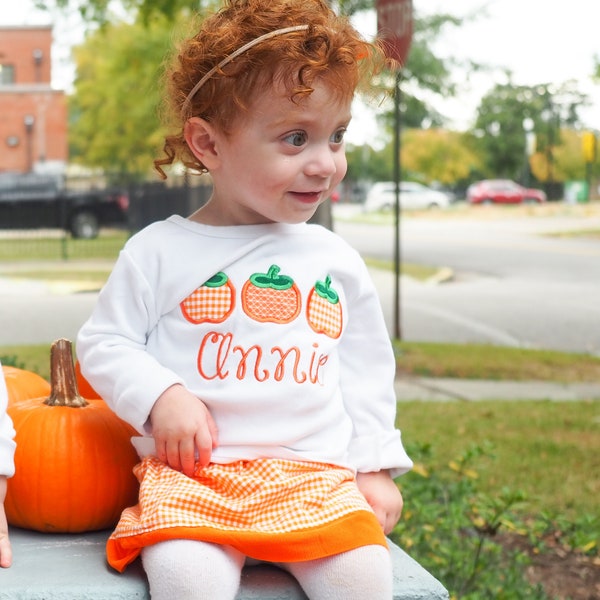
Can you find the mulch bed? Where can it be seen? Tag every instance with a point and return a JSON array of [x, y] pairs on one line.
[[563, 573]]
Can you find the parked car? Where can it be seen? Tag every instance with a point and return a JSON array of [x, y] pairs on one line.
[[502, 191], [413, 195], [31, 200]]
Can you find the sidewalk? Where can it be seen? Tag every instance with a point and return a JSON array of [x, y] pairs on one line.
[[473, 390]]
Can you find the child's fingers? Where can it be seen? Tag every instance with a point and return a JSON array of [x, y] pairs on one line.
[[5, 551], [205, 444]]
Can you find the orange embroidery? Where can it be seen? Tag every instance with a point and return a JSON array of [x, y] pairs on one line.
[[212, 302], [219, 358], [271, 297], [324, 310]]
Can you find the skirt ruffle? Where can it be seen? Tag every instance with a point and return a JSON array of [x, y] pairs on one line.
[[269, 509]]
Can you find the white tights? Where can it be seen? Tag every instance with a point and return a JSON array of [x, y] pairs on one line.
[[191, 570]]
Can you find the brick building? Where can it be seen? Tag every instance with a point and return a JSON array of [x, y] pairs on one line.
[[33, 116]]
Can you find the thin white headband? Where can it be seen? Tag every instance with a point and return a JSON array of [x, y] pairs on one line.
[[235, 54]]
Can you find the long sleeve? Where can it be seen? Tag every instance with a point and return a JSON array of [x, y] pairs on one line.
[[367, 372], [112, 346], [7, 433]]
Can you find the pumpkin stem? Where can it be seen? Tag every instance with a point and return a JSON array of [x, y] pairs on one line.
[[64, 391]]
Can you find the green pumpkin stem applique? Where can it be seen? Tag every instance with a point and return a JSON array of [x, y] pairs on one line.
[[212, 302], [324, 310], [271, 297]]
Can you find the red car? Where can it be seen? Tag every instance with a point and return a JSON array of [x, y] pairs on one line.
[[502, 191]]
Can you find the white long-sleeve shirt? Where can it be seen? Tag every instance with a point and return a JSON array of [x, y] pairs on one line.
[[7, 433], [277, 328]]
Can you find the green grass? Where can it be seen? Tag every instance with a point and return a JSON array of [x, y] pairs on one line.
[[92, 275], [549, 450], [32, 358], [475, 361], [43, 248], [420, 272]]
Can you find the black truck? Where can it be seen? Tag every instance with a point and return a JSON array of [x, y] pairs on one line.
[[33, 201]]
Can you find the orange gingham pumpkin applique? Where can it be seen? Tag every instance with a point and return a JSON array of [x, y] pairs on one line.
[[271, 297], [324, 310], [212, 302]]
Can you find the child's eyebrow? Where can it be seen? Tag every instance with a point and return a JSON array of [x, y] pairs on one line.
[[299, 121]]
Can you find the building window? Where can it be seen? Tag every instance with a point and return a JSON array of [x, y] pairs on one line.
[[7, 74]]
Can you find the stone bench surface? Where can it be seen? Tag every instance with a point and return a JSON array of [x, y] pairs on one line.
[[73, 567]]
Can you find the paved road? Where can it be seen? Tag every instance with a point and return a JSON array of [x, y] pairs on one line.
[[33, 312], [511, 286]]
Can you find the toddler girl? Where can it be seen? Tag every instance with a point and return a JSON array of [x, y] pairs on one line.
[[247, 347]]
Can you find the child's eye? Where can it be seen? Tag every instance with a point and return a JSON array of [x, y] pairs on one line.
[[297, 138], [338, 136]]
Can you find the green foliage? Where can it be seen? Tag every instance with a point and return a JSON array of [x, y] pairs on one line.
[[442, 155], [114, 111], [500, 132], [11, 360], [449, 527], [99, 11]]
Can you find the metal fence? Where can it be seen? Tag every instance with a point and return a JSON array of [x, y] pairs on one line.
[[148, 202]]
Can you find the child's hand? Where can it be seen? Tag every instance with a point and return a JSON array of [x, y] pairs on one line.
[[5, 549], [383, 496], [181, 423]]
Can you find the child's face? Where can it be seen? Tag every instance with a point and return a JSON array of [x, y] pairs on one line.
[[282, 160]]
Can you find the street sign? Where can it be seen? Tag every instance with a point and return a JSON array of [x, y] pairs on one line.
[[395, 30], [395, 27]]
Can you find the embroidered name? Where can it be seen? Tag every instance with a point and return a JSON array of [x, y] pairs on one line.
[[219, 358]]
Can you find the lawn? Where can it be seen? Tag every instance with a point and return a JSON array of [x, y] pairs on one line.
[[549, 450]]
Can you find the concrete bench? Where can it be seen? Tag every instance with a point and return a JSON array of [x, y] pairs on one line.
[[73, 567]]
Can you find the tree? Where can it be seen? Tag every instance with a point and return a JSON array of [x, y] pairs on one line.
[[99, 11], [425, 75], [500, 125], [438, 155], [113, 112], [569, 161]]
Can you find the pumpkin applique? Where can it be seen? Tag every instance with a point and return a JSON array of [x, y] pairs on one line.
[[271, 297], [73, 461], [212, 302], [324, 309]]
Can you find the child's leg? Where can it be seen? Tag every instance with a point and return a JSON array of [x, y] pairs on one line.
[[191, 570], [358, 574]]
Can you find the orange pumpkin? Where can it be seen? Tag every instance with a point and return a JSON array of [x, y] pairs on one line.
[[73, 460], [85, 387], [21, 384]]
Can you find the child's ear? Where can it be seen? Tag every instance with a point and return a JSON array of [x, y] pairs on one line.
[[200, 137]]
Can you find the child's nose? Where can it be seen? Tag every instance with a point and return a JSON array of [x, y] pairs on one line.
[[322, 162]]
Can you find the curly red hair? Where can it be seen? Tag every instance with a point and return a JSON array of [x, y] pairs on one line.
[[329, 50]]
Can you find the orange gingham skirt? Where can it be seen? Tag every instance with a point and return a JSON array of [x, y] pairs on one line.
[[268, 509]]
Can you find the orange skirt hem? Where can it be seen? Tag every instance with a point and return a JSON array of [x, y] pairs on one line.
[[354, 530]]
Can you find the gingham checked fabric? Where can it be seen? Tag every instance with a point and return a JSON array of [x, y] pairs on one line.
[[325, 317], [208, 304], [251, 500]]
